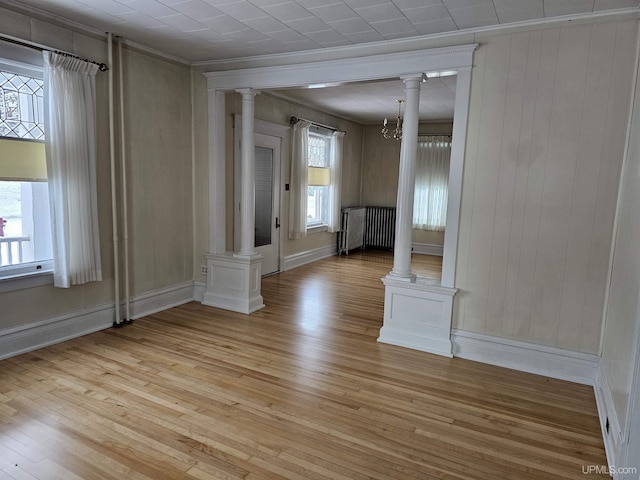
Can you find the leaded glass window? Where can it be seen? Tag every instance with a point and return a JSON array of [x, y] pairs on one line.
[[21, 106]]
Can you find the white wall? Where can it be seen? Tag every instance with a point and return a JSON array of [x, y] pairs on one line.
[[158, 139], [546, 130], [622, 322]]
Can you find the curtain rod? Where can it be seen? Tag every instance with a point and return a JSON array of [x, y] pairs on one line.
[[101, 66], [295, 120]]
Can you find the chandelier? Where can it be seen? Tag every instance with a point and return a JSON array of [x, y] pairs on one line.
[[397, 132]]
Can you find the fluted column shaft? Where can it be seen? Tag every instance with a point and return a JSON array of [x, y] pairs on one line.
[[248, 177], [406, 180]]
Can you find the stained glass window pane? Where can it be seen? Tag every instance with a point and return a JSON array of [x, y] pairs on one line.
[[21, 106]]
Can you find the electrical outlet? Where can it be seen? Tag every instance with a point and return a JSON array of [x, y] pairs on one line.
[[203, 269]]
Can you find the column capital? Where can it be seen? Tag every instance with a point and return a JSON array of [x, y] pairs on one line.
[[246, 92], [414, 77]]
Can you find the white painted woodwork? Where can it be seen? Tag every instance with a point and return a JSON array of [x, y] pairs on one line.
[[234, 282], [547, 121], [417, 315], [620, 363], [247, 175], [406, 180]]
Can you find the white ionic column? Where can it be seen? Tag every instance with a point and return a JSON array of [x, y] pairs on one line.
[[248, 181], [406, 181]]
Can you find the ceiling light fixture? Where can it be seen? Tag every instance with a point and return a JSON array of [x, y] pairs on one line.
[[397, 132]]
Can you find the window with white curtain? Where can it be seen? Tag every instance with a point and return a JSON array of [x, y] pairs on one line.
[[25, 227], [316, 182], [432, 179], [319, 179]]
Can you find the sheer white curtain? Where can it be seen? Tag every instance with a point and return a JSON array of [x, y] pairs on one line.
[[299, 180], [335, 188], [432, 180], [70, 130]]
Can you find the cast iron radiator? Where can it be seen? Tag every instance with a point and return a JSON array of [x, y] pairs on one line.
[[380, 227], [363, 227], [351, 233]]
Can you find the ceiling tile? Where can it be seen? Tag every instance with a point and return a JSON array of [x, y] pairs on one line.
[[392, 28], [566, 7], [182, 23], [427, 13], [365, 3], [246, 35], [380, 13], [478, 16], [224, 24], [465, 3], [109, 6], [402, 4], [197, 9], [506, 4], [137, 19], [286, 36], [266, 24], [364, 37], [332, 13], [606, 4], [308, 25], [436, 26], [351, 26], [325, 36], [286, 12], [318, 3], [267, 3], [151, 8], [242, 11], [531, 12]]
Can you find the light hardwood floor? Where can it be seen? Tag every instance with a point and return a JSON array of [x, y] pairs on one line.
[[300, 389]]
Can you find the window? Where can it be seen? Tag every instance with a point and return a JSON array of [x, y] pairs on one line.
[[319, 180], [25, 227], [432, 183]]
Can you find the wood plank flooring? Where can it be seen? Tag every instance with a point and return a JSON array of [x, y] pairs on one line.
[[298, 390]]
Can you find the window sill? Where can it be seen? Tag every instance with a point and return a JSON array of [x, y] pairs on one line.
[[26, 280], [317, 229]]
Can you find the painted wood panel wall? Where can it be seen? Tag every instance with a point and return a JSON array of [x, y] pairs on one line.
[[547, 125], [622, 322]]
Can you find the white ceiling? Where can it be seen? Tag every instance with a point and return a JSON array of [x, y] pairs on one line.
[[371, 102], [208, 30]]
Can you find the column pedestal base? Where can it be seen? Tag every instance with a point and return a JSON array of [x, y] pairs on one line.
[[417, 315], [234, 282]]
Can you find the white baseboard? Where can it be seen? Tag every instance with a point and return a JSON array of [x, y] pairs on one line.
[[427, 249], [299, 259], [199, 288], [157, 300], [527, 357], [26, 338], [612, 435]]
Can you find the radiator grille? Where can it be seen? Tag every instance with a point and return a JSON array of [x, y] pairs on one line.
[[380, 227]]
